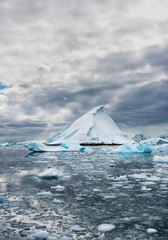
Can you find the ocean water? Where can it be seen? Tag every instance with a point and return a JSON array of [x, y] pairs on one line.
[[128, 192]]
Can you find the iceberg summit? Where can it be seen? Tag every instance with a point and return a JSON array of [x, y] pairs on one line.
[[93, 128]]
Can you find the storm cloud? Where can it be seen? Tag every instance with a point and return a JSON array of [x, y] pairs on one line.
[[59, 59]]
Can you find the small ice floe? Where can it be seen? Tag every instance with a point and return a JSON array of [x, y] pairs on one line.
[[58, 188], [77, 228], [52, 238], [41, 234], [144, 176], [161, 148], [44, 194], [159, 159], [50, 173], [65, 238], [106, 197], [151, 230], [96, 190], [144, 188], [65, 147], [104, 227], [120, 178], [57, 201]]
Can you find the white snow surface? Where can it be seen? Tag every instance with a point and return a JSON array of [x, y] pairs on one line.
[[50, 173], [65, 147], [130, 148], [104, 227], [95, 127]]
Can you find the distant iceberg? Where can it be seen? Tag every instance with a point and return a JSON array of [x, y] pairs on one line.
[[93, 128], [65, 147], [130, 148], [154, 141], [161, 148]]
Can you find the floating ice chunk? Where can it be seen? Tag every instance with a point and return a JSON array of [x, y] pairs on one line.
[[66, 238], [65, 147], [154, 141], [121, 178], [106, 197], [145, 176], [50, 173], [6, 144], [133, 148], [160, 159], [57, 201], [104, 227], [44, 194], [52, 238], [151, 230], [41, 234], [161, 148], [144, 188], [77, 228], [58, 188]]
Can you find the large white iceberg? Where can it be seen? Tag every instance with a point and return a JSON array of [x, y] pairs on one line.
[[65, 147], [95, 127], [130, 148], [154, 141]]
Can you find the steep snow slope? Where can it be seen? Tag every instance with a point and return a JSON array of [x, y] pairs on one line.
[[95, 127]]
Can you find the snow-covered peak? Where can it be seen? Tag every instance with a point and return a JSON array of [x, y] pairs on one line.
[[94, 127]]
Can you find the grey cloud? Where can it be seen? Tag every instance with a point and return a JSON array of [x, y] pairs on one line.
[[146, 105]]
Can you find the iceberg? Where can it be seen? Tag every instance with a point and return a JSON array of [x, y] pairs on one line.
[[130, 148], [93, 128], [154, 141], [161, 148], [65, 147]]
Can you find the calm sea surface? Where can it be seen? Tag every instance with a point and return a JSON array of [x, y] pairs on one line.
[[129, 191]]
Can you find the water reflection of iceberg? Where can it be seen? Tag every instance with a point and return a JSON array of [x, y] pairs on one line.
[[49, 155]]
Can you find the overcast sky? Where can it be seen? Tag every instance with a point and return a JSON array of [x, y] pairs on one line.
[[61, 58]]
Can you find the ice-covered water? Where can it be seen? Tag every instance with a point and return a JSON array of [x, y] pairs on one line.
[[97, 189]]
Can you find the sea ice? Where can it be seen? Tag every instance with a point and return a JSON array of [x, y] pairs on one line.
[[104, 227], [52, 238], [41, 234], [44, 194], [130, 148], [5, 144], [50, 173], [160, 159], [151, 230], [77, 228], [154, 141], [95, 127], [65, 147], [58, 188], [57, 201], [161, 148]]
